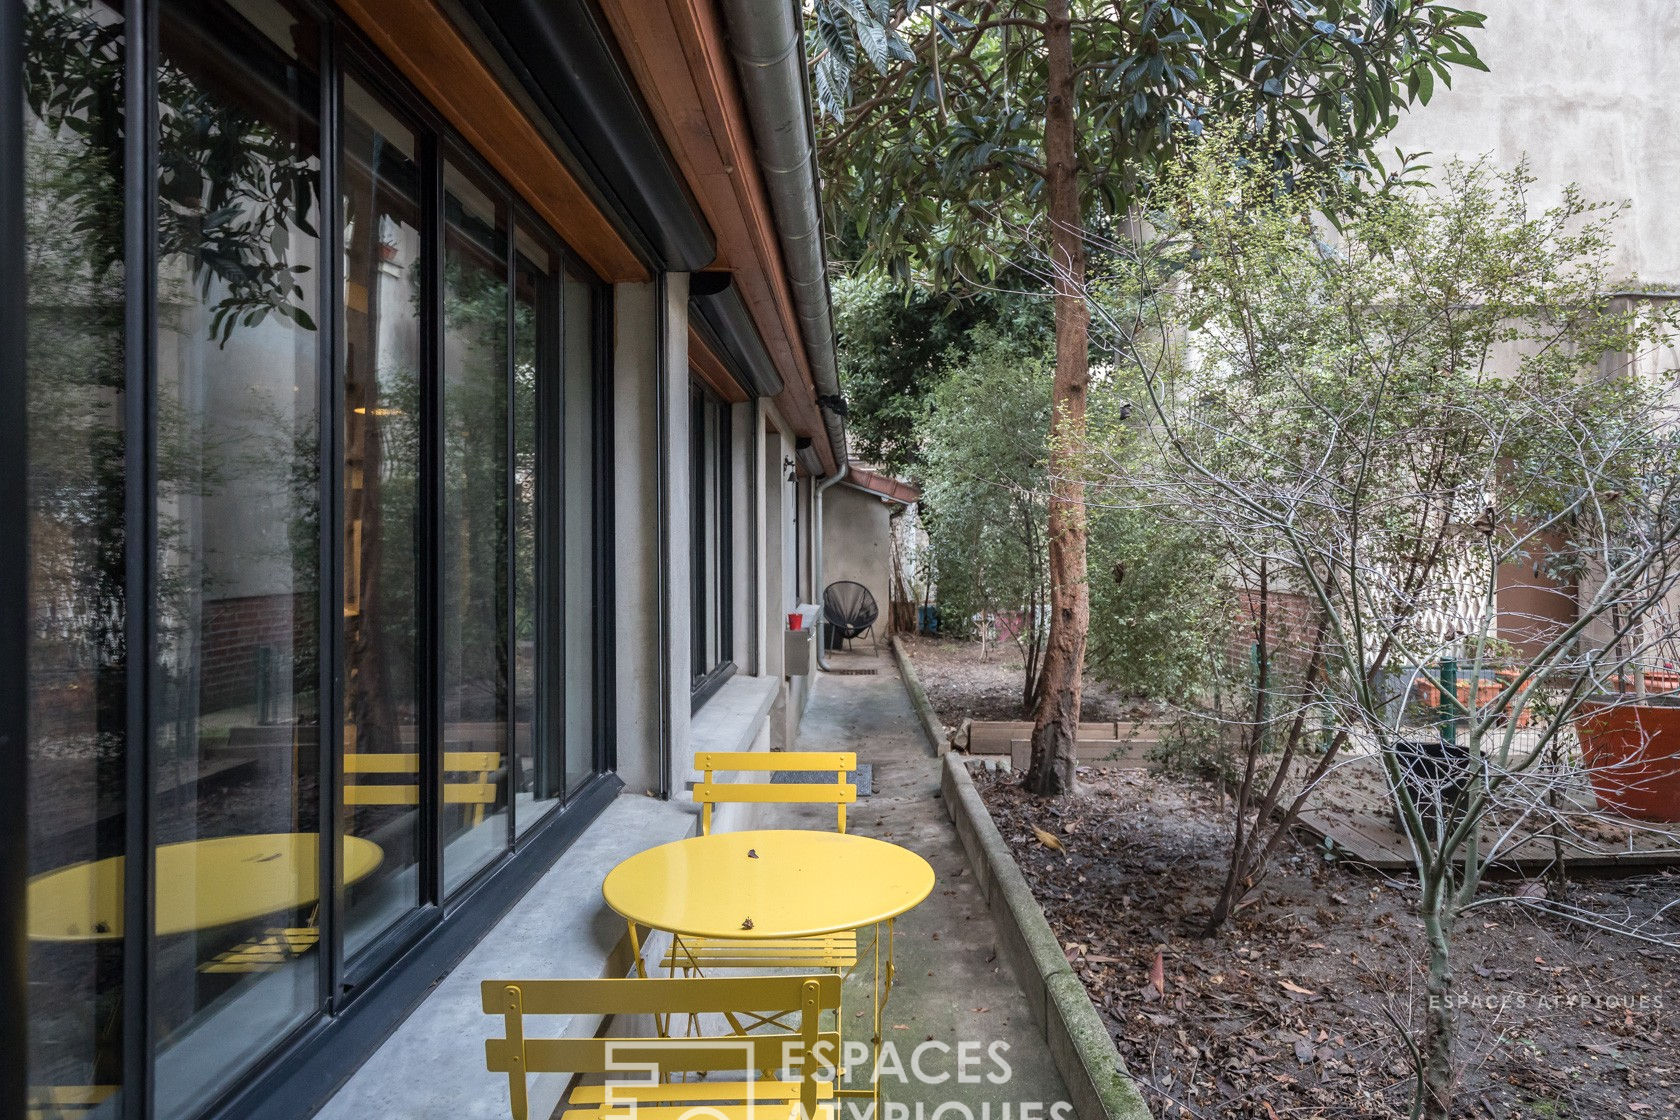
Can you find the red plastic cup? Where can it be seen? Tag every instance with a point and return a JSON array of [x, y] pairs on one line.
[[796, 621]]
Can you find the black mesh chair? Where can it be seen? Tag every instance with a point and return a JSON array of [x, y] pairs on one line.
[[850, 611]]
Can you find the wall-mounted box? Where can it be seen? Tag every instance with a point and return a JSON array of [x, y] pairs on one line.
[[796, 652]]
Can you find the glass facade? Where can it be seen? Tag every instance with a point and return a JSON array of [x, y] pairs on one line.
[[383, 219], [315, 503], [234, 685], [474, 634], [74, 133]]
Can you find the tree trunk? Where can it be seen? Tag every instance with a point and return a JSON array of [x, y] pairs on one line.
[[1056, 722], [1236, 867], [1438, 1024]]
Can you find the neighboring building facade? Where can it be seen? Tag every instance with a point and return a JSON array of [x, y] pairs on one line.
[[860, 537], [1580, 93], [425, 400]]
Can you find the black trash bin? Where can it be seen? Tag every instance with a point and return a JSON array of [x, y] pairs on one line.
[[1436, 772]]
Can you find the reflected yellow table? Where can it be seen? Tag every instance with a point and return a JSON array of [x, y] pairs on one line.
[[199, 884], [769, 886]]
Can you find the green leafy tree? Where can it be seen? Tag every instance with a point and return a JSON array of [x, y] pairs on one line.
[[1382, 421], [1157, 607], [895, 342], [984, 489], [960, 136]]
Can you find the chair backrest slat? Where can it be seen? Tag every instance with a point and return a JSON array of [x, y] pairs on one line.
[[809, 997], [709, 791], [762, 762], [681, 995]]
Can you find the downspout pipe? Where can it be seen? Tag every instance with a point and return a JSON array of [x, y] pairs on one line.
[[767, 42], [817, 557]]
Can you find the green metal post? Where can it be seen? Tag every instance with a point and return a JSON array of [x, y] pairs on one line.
[[1447, 712]]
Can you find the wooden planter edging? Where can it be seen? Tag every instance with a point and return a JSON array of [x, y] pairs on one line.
[[1099, 1088], [931, 727]]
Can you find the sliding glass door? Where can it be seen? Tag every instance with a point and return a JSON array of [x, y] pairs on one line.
[[317, 479], [383, 215]]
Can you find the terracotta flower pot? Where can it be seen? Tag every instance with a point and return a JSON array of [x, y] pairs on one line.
[[1632, 752]]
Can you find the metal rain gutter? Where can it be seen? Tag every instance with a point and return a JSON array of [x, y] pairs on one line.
[[817, 549], [767, 42]]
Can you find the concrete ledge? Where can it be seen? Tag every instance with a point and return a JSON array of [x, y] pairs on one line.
[[931, 727], [1098, 1085], [732, 718]]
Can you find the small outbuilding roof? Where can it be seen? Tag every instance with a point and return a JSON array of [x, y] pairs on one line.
[[883, 485]]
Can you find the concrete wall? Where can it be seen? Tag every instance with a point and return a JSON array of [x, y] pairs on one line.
[[1585, 91], [650, 483], [857, 544]]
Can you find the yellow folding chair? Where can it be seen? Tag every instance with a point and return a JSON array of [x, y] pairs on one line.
[[477, 792], [837, 950], [650, 1069], [709, 791], [66, 1102]]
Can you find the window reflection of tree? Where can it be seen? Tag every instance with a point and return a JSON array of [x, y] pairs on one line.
[[78, 655], [236, 187]]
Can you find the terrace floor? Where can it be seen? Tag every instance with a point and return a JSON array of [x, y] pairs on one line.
[[958, 1024], [952, 988]]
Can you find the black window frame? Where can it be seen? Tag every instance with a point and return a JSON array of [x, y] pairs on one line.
[[711, 554], [358, 1005]]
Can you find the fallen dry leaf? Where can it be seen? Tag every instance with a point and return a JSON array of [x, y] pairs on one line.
[[1296, 988], [1049, 840]]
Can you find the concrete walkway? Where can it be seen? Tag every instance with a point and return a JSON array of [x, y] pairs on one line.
[[956, 1000]]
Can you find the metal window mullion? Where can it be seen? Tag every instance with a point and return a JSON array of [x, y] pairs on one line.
[[14, 610], [551, 710], [510, 714], [430, 714], [726, 533], [605, 623], [331, 417], [140, 541], [661, 512]]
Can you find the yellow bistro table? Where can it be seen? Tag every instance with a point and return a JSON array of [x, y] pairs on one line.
[[771, 886], [199, 884]]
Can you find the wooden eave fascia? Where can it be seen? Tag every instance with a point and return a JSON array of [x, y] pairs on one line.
[[679, 59], [425, 47], [710, 369]]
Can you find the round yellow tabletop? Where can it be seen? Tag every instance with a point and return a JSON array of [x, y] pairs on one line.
[[766, 885], [200, 884]]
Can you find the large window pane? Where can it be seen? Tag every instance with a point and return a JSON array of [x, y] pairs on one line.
[[235, 684], [537, 771], [710, 534], [380, 173], [475, 526], [583, 638], [73, 135]]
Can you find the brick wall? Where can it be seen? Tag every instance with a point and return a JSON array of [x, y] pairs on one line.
[[236, 629]]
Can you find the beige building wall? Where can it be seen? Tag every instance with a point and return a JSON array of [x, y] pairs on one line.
[[857, 544], [1585, 90]]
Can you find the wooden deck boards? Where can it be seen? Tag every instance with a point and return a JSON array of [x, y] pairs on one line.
[[1367, 837]]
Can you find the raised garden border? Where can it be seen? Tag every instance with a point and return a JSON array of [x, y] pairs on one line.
[[1098, 1084], [931, 727]]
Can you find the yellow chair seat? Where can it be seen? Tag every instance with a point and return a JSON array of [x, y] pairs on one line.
[[699, 1098], [760, 1110], [834, 950], [265, 953]]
